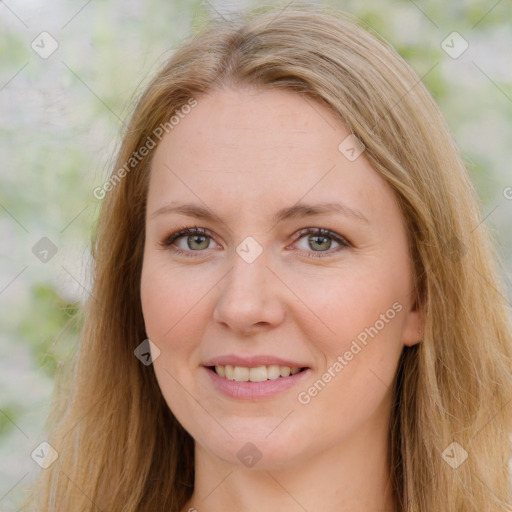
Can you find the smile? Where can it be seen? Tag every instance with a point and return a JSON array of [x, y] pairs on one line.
[[256, 383], [256, 374]]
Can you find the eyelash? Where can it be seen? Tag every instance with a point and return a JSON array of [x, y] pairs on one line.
[[167, 243]]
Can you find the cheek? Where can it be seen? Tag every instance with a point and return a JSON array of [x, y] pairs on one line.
[[170, 298], [346, 303], [357, 326], [360, 358]]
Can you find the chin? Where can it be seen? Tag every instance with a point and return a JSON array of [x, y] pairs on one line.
[[254, 448]]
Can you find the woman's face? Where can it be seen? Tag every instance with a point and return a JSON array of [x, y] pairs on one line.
[[255, 289]]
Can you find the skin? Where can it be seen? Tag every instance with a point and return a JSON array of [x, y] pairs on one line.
[[245, 154]]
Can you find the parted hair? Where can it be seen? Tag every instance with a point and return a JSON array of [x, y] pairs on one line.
[[120, 447]]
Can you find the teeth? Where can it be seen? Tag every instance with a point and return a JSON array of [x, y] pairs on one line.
[[240, 373], [273, 372], [257, 374], [285, 371]]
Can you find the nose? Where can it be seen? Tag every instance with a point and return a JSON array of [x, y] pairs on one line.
[[250, 297]]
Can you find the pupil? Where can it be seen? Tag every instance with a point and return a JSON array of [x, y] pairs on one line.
[[323, 238]]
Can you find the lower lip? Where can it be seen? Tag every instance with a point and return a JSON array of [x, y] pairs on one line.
[[255, 390]]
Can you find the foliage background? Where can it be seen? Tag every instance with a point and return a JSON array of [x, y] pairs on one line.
[[60, 120]]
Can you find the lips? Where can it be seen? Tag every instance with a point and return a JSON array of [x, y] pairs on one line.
[[255, 377], [255, 390]]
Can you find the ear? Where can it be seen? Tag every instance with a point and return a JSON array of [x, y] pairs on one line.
[[414, 325]]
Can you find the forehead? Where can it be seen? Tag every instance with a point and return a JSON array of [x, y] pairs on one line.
[[260, 149]]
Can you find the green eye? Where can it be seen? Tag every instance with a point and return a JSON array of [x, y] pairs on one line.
[[319, 241]]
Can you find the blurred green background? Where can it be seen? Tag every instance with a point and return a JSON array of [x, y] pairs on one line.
[[60, 119]]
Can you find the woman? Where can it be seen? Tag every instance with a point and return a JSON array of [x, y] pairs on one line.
[[227, 360]]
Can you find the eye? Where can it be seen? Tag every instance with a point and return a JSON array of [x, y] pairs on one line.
[[192, 240], [196, 240], [318, 239]]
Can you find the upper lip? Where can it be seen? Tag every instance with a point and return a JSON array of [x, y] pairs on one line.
[[253, 361]]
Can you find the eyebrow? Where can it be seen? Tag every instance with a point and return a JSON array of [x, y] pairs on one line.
[[292, 212]]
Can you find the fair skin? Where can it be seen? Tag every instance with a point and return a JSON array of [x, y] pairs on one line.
[[245, 154]]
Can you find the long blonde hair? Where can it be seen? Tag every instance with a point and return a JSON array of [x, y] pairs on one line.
[[120, 447]]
